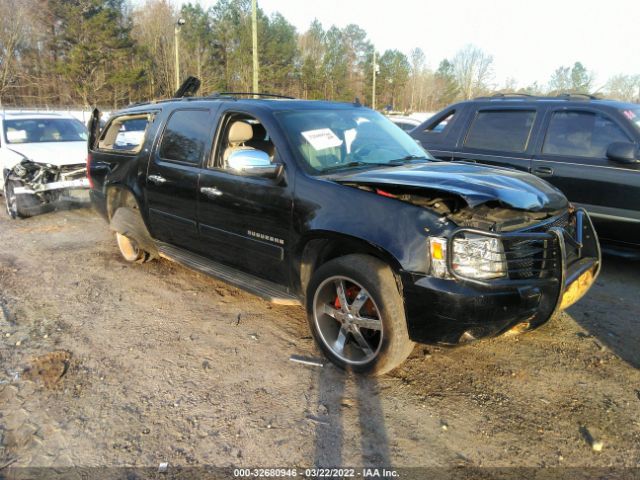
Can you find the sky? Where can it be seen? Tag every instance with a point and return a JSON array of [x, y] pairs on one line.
[[528, 40]]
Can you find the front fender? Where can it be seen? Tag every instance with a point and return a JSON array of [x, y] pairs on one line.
[[388, 224], [11, 158]]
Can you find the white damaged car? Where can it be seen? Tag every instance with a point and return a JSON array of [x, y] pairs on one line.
[[42, 157]]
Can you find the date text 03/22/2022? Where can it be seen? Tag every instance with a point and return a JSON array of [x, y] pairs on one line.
[[315, 473]]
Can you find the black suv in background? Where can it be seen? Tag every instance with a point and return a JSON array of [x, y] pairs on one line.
[[586, 147], [331, 206]]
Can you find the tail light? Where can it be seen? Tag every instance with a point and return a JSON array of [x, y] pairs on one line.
[[89, 170]]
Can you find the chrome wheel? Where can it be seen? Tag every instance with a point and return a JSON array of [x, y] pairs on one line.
[[11, 201], [348, 320]]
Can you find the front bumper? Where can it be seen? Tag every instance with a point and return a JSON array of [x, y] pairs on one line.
[[79, 183], [459, 309]]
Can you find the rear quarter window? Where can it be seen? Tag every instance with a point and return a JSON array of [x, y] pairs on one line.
[[440, 124], [501, 130], [125, 134]]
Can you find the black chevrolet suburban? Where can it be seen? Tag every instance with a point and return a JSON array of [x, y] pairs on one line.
[[586, 146], [332, 206]]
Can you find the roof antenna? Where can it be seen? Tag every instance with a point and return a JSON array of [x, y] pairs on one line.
[[356, 102]]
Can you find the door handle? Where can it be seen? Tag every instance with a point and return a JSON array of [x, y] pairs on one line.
[[211, 192], [157, 179], [543, 171]]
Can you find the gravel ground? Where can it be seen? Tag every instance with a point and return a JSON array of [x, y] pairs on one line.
[[109, 364]]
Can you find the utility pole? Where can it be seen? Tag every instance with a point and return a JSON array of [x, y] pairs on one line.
[[176, 35], [375, 71], [254, 26]]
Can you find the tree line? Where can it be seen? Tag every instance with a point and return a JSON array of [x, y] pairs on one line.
[[110, 53]]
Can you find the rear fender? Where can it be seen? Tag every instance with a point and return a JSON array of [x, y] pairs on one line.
[[129, 222]]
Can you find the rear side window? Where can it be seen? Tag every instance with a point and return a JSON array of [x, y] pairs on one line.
[[440, 125], [501, 130], [407, 127], [125, 134], [186, 135], [581, 134]]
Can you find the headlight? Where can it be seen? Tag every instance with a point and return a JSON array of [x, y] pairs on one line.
[[474, 257], [19, 170]]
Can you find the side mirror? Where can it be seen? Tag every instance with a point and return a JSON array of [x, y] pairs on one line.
[[622, 152], [253, 163]]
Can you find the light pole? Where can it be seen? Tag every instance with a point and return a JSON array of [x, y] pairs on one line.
[[254, 27], [376, 70], [176, 34]]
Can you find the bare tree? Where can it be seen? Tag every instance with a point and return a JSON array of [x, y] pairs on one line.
[[153, 30], [417, 71], [510, 85], [473, 70], [574, 79], [560, 80], [624, 87], [12, 33]]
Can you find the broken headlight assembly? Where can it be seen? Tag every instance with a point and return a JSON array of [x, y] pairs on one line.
[[19, 170], [474, 256]]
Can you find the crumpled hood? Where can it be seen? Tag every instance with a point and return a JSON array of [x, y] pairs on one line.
[[55, 153], [476, 184]]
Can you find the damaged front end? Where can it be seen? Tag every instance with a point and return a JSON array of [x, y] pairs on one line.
[[31, 188], [46, 181], [493, 267]]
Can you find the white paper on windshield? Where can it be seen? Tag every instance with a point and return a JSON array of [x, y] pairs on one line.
[[322, 138], [16, 136]]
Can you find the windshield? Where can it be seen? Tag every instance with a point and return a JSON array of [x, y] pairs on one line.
[[38, 130], [329, 140], [633, 114]]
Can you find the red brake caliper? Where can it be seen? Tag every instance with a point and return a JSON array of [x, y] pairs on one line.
[[350, 293]]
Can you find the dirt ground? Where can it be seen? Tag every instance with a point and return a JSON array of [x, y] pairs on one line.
[[108, 364]]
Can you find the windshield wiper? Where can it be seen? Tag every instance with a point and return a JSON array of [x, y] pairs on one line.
[[391, 163], [356, 164], [408, 158]]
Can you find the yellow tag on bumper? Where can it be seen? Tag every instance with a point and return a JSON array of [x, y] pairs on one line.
[[576, 289]]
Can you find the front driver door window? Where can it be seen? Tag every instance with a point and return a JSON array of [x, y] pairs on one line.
[[244, 220], [573, 158], [581, 134]]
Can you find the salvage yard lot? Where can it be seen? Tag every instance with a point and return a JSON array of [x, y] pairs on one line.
[[168, 365]]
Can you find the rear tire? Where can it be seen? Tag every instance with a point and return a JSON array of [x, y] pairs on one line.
[[130, 250], [369, 335]]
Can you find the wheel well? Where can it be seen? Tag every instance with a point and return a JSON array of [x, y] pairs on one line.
[[319, 251], [120, 197]]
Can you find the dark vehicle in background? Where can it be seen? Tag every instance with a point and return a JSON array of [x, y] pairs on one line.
[[405, 123], [587, 147], [331, 206]]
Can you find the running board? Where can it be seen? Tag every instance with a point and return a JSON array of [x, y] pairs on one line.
[[262, 288]]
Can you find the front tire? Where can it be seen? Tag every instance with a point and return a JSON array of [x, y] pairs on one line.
[[356, 315], [22, 205]]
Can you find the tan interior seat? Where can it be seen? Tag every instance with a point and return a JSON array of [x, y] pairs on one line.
[[261, 141], [239, 133]]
